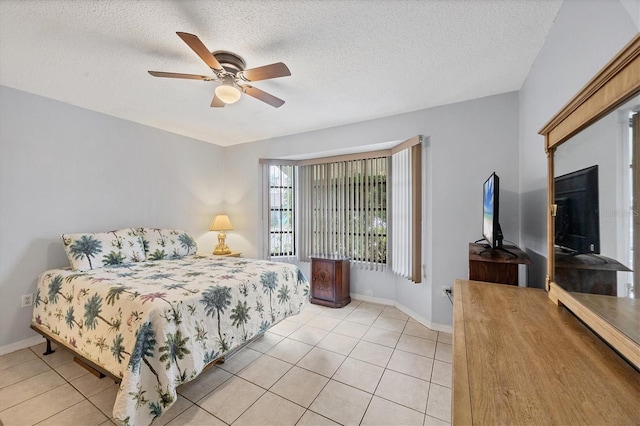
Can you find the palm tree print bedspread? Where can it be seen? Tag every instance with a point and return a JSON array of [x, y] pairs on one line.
[[156, 325]]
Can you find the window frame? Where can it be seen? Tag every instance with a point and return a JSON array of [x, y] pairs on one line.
[[279, 186], [303, 206]]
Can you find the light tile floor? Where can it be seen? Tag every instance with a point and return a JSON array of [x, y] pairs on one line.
[[365, 364]]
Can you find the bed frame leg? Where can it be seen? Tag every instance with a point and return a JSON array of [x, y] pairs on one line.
[[49, 350], [87, 366]]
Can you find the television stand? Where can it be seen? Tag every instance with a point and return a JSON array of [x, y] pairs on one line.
[[587, 273], [496, 265]]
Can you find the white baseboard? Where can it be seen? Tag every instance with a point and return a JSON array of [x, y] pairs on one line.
[[16, 346], [371, 299], [432, 325], [445, 328]]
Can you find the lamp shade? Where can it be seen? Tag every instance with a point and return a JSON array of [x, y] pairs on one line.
[[221, 223]]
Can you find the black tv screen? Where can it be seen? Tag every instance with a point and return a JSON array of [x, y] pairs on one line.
[[490, 211], [577, 221]]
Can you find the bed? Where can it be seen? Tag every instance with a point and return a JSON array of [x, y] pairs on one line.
[[156, 324]]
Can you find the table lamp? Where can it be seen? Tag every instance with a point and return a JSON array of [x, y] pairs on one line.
[[221, 223]]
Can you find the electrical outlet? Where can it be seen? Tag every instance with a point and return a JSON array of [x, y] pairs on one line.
[[446, 291], [27, 300]]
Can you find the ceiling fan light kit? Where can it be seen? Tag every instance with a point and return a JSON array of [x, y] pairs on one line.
[[228, 91], [229, 70]]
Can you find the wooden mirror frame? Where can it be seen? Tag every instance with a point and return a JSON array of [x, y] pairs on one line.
[[616, 83]]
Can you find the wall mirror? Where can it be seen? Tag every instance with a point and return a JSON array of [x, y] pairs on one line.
[[593, 146]]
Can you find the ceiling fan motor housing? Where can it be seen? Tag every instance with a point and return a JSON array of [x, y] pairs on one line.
[[231, 62]]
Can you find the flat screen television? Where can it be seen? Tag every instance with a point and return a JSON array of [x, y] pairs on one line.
[[491, 211], [577, 221]]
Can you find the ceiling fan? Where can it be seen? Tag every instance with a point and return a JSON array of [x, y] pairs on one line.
[[229, 69]]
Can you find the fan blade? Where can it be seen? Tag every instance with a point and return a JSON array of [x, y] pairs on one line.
[[201, 50], [263, 96], [266, 72], [216, 102], [178, 75]]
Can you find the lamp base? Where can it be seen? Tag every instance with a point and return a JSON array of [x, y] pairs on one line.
[[222, 247], [221, 250]]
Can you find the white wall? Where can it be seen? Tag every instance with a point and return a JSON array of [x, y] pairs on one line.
[[584, 37], [66, 169], [467, 142]]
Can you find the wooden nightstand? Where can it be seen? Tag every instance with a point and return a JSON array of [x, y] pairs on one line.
[[330, 281], [232, 254]]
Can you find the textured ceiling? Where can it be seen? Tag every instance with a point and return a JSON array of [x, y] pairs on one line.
[[351, 60]]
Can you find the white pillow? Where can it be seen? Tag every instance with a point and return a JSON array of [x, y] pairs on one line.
[[96, 250], [162, 244]]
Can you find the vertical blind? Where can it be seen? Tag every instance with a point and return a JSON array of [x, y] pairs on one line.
[[401, 228], [406, 212], [348, 210]]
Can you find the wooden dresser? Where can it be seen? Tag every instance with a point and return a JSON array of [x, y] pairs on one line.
[[520, 359], [330, 281]]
